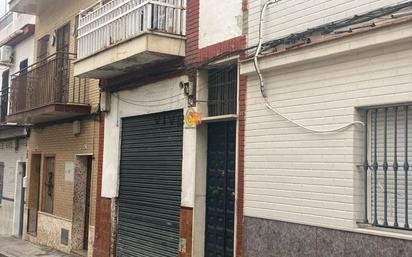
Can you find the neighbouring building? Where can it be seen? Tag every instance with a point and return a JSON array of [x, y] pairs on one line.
[[328, 133], [167, 187], [62, 113], [16, 49]]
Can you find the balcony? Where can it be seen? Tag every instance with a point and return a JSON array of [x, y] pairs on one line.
[[125, 36], [29, 6], [15, 28], [47, 91]]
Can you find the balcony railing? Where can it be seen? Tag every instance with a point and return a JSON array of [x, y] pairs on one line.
[[49, 81], [101, 26]]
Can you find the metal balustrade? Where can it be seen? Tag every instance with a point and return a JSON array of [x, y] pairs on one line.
[[103, 25], [49, 81], [386, 167]]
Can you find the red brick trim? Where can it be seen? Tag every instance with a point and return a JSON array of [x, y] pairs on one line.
[[245, 5], [102, 237], [241, 167], [231, 45], [186, 227], [192, 32]]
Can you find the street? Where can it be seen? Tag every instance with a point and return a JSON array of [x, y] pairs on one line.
[[12, 247]]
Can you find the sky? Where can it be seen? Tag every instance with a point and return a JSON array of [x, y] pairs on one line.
[[3, 4]]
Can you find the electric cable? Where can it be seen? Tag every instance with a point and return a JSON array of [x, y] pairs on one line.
[[262, 83]]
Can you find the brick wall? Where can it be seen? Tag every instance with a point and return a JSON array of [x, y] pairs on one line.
[[59, 141], [241, 166], [186, 226], [196, 56], [103, 205]]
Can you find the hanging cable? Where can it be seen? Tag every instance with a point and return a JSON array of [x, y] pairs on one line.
[[262, 83]]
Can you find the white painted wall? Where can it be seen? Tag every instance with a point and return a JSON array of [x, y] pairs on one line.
[[10, 211], [219, 21], [296, 176], [153, 98], [24, 50], [10, 158], [19, 21], [292, 16]]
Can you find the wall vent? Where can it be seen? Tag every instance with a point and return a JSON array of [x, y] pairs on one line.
[[64, 237]]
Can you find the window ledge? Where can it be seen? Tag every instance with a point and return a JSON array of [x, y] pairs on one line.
[[219, 118], [385, 232]]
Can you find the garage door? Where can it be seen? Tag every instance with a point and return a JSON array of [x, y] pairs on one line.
[[150, 185]]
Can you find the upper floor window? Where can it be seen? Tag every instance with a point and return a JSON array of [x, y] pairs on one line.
[[222, 90], [4, 96], [42, 47]]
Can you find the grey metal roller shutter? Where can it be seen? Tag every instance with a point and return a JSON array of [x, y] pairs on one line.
[[150, 185]]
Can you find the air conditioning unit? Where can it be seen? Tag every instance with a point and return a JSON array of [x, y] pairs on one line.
[[6, 54]]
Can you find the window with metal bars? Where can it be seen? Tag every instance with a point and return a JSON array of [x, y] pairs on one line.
[[222, 90], [386, 167]]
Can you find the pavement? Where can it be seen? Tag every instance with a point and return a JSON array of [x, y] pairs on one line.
[[13, 247]]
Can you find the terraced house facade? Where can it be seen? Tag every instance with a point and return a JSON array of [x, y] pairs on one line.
[[16, 48], [205, 128], [62, 149]]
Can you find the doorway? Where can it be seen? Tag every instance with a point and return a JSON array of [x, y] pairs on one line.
[[220, 189], [34, 193], [81, 204], [20, 193]]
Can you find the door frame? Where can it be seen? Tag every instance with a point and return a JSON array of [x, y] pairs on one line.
[[199, 210], [19, 203], [235, 123], [29, 175], [82, 242]]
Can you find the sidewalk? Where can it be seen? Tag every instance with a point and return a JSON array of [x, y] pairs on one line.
[[12, 247]]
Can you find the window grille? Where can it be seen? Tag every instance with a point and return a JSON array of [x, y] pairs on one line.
[[386, 167], [222, 88]]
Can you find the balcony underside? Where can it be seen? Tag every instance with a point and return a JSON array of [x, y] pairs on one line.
[[49, 113], [131, 56], [29, 6]]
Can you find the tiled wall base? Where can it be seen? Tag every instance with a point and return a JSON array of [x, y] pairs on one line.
[[49, 231], [280, 239]]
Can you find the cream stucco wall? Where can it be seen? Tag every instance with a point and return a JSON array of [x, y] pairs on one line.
[[161, 96], [297, 176]]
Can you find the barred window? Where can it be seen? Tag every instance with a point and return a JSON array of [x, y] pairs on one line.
[[222, 88], [387, 167]]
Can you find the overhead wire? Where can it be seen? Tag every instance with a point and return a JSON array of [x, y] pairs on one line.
[[262, 46], [357, 19]]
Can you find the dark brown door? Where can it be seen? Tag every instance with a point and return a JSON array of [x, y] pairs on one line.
[[49, 184], [34, 196], [62, 62]]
